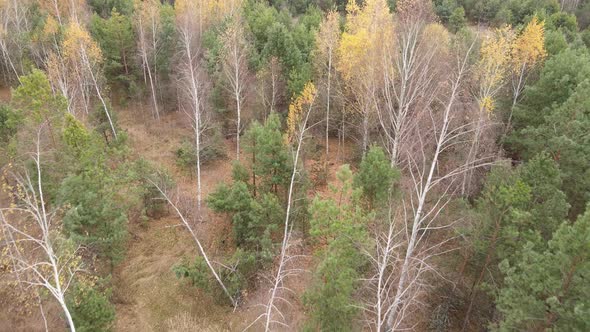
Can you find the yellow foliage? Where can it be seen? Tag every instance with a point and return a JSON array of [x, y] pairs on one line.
[[298, 108], [493, 65], [328, 35], [76, 40], [436, 34], [487, 104], [51, 27], [369, 30], [529, 47]]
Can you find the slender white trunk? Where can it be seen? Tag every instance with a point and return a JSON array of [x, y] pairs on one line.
[[328, 103], [199, 245]]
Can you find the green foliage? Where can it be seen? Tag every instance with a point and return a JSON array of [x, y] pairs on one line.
[[91, 309], [253, 219], [270, 157], [514, 12], [104, 8], [547, 289], [376, 177], [9, 122], [522, 205], [35, 100], [563, 22], [342, 224], [555, 42], [238, 270], [275, 35], [444, 9], [196, 272], [554, 118], [116, 38], [186, 155], [457, 20], [94, 218], [75, 136]]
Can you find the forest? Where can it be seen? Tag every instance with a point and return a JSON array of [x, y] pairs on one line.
[[294, 165]]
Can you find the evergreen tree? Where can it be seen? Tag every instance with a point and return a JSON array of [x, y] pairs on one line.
[[548, 290]]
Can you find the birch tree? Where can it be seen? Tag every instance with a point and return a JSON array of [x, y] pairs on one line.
[[430, 190], [358, 59], [297, 126], [272, 85], [327, 41], [83, 59], [15, 42], [409, 71], [191, 80], [527, 51], [187, 224], [235, 67], [40, 255], [490, 73], [147, 25]]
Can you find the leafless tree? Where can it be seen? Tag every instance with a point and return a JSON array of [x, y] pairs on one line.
[[297, 134], [191, 81], [410, 71], [193, 233], [431, 187], [40, 255], [147, 25], [327, 41], [235, 67], [13, 25], [272, 86]]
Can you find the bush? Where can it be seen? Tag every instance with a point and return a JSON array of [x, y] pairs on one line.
[[186, 155], [91, 309]]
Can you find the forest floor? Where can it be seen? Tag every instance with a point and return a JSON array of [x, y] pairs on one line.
[[147, 294]]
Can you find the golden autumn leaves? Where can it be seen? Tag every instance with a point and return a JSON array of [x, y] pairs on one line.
[[503, 54]]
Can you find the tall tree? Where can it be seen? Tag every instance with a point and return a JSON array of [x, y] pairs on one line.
[[328, 40], [235, 67], [368, 28], [84, 62], [40, 254], [528, 51], [147, 26], [491, 73], [546, 289]]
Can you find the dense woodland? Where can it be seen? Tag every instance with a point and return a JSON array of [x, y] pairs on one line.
[[295, 165]]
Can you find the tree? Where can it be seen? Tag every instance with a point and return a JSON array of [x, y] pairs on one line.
[[235, 67], [37, 103], [342, 224], [297, 126], [528, 50], [94, 216], [491, 72], [457, 19], [427, 179], [546, 289], [187, 225], [375, 177], [557, 125], [516, 207], [83, 59], [367, 32], [41, 257], [116, 38], [91, 309], [410, 73], [147, 26], [191, 75], [328, 39]]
